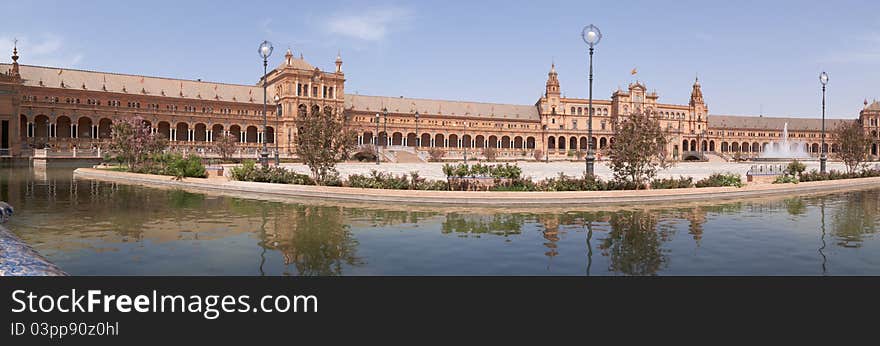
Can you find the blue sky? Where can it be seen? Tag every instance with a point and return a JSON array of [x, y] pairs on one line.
[[751, 56]]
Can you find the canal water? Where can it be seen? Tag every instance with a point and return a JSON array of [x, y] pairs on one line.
[[97, 228]]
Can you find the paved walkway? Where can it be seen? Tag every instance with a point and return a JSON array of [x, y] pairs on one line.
[[540, 170]]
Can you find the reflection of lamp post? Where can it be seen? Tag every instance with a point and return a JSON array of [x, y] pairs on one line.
[[376, 139], [822, 248], [418, 136], [823, 158], [591, 36], [265, 51], [278, 110]]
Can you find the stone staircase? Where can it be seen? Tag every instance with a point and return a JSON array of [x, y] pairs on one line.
[[408, 157], [402, 154]]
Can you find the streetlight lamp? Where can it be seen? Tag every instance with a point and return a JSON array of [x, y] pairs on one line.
[[465, 144], [278, 110], [591, 35], [376, 139], [385, 126], [265, 51], [418, 136], [547, 148], [823, 158]]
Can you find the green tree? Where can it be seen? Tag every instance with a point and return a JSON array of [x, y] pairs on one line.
[[322, 141], [639, 148], [225, 145], [852, 144], [134, 142]]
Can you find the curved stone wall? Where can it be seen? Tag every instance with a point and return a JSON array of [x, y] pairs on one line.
[[19, 259]]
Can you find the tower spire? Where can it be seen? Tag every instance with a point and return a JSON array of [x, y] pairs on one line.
[[14, 71], [696, 93], [339, 61], [552, 80]]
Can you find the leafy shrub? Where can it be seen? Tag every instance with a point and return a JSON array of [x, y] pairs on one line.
[[814, 175], [563, 182], [672, 183], [382, 180], [173, 164], [181, 167], [249, 171], [516, 185], [501, 171], [379, 180], [795, 168], [507, 171], [720, 180], [785, 179], [620, 184]]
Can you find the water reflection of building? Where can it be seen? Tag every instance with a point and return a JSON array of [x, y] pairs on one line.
[[551, 234]]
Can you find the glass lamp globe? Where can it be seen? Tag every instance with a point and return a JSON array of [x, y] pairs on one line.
[[277, 98], [265, 49], [823, 78], [591, 35]]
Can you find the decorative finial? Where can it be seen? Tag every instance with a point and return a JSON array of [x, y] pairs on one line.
[[15, 50]]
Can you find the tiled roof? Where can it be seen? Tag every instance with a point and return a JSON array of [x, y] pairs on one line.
[[770, 123], [441, 107], [52, 77]]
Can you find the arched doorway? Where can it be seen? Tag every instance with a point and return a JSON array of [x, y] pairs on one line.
[[84, 127], [62, 127], [104, 128], [201, 134], [181, 132]]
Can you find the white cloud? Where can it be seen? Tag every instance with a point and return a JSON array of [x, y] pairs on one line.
[[866, 50], [265, 26], [43, 50], [370, 25]]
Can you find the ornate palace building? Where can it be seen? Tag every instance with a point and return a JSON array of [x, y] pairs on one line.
[[63, 109]]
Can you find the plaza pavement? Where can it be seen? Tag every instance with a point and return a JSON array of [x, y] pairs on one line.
[[540, 170]]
